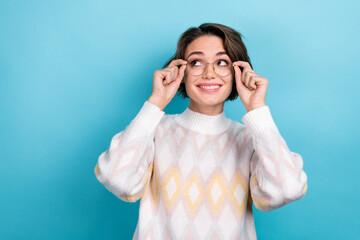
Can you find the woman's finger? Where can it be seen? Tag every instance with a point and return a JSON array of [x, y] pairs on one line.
[[167, 77], [174, 65], [246, 77], [252, 82], [243, 64], [175, 73], [238, 76], [172, 71], [253, 76], [181, 73], [177, 62]]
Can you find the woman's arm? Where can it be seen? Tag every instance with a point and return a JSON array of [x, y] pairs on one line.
[[126, 167], [276, 174]]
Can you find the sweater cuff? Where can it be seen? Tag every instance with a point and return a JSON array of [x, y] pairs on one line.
[[259, 121], [149, 116]]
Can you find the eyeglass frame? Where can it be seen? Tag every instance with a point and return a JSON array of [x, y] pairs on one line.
[[206, 63]]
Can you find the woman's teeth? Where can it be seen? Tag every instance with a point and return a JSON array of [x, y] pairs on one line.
[[209, 87]]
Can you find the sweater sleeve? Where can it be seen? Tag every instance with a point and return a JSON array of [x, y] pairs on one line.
[[126, 167], [276, 174]]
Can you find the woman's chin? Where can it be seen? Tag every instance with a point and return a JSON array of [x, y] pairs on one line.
[[206, 99], [212, 100]]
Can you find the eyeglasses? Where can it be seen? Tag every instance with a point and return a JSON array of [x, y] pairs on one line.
[[221, 67]]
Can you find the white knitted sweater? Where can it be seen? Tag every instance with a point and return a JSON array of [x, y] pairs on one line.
[[198, 175]]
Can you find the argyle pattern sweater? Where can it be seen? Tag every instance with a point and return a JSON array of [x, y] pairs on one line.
[[198, 175]]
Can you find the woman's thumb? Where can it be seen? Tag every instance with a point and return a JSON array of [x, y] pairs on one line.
[[238, 81], [181, 73]]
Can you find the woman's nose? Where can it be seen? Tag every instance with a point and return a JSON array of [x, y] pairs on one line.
[[209, 71]]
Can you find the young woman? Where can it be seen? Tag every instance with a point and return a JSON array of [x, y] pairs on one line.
[[198, 173]]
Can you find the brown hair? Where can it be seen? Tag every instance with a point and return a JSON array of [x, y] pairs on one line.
[[233, 44]]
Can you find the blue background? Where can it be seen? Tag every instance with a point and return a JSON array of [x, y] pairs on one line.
[[74, 73]]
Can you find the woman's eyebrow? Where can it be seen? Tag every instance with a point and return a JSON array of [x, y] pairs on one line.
[[201, 53]]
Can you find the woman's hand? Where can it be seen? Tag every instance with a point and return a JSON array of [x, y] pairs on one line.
[[250, 86], [166, 82]]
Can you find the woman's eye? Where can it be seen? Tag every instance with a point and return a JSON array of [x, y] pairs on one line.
[[222, 62], [196, 63]]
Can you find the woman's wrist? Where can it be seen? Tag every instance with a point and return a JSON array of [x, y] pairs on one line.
[[157, 102], [250, 108]]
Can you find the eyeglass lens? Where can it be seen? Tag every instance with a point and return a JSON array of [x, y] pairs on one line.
[[221, 67]]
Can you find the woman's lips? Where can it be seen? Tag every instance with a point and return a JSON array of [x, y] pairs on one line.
[[209, 88]]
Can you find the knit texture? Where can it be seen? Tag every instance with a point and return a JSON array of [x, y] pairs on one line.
[[198, 175]]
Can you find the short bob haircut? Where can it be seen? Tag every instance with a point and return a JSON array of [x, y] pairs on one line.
[[233, 44]]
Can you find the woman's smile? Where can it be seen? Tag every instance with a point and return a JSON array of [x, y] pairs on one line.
[[209, 87]]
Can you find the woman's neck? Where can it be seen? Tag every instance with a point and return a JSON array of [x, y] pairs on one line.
[[203, 123], [210, 110]]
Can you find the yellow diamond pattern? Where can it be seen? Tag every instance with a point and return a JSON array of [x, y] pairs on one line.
[[193, 190], [305, 189], [171, 188], [239, 182], [216, 192], [97, 170]]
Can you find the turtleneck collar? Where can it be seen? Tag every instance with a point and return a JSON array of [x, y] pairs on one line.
[[203, 123]]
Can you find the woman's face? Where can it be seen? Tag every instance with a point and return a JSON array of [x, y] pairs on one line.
[[208, 91]]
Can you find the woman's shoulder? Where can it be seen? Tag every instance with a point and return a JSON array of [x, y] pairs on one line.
[[239, 130], [168, 117], [168, 120]]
